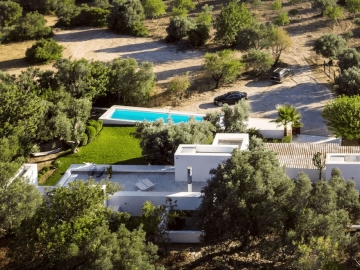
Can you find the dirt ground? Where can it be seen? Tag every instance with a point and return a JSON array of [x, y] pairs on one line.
[[309, 89]]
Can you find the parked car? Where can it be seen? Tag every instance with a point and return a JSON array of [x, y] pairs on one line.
[[280, 74], [230, 98]]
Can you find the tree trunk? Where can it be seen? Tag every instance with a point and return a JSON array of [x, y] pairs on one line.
[[74, 146], [276, 60], [217, 80]]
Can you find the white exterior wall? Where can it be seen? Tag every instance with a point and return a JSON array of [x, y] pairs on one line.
[[312, 173], [28, 171], [201, 165], [192, 237], [267, 128]]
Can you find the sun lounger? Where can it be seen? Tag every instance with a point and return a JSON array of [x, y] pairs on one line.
[[144, 184]]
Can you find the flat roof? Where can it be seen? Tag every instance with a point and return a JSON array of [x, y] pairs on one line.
[[127, 175]]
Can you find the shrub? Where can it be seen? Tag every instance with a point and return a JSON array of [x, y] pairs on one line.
[[96, 125], [287, 139], [199, 35], [56, 163], [126, 17], [330, 45], [293, 12], [179, 84], [100, 123], [85, 140], [32, 26], [179, 12], [43, 51], [178, 28], [357, 21], [282, 19], [347, 35], [276, 5], [258, 60], [254, 132], [91, 132]]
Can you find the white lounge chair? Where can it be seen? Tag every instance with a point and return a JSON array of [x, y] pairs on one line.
[[144, 184]]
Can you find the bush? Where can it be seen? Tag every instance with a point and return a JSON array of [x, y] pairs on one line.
[[179, 12], [84, 140], [347, 35], [91, 132], [178, 28], [258, 60], [348, 81], [44, 51], [348, 58], [56, 163], [100, 123], [32, 26], [287, 139], [293, 12], [179, 84], [126, 17], [199, 35], [276, 5], [282, 19], [330, 45], [254, 132], [357, 21], [96, 125]]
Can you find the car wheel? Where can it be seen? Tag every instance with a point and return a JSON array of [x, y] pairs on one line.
[[220, 104]]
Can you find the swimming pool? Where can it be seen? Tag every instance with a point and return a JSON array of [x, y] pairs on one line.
[[130, 115]]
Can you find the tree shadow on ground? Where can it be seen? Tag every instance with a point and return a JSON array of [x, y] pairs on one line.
[[13, 64]]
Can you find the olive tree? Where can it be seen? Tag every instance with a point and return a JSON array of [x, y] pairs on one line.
[[330, 45], [348, 81], [223, 66]]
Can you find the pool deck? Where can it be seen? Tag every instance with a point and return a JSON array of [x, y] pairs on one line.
[[107, 120]]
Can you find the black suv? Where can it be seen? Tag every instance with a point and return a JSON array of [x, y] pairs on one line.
[[280, 74], [230, 98]]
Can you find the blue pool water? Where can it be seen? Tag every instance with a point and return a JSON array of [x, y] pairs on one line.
[[132, 115]]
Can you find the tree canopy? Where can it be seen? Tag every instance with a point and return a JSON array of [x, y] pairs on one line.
[[342, 116], [238, 192], [348, 81], [77, 231], [330, 45], [10, 13], [232, 18], [159, 141], [223, 66]]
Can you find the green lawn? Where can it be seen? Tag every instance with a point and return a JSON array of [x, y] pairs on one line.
[[114, 145]]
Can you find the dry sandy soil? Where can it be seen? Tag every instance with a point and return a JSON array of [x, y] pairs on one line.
[[307, 90]]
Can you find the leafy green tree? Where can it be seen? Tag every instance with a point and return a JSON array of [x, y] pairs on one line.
[[348, 58], [282, 19], [348, 81], [258, 60], [20, 113], [319, 162], [323, 210], [18, 202], [72, 229], [31, 26], [235, 119], [322, 4], [67, 15], [287, 114], [341, 116], [334, 13], [279, 41], [232, 208], [330, 45], [44, 51], [201, 33], [129, 82], [159, 141], [223, 66], [353, 6], [232, 18], [126, 17], [178, 28], [81, 78], [153, 8], [255, 36], [10, 13], [102, 3]]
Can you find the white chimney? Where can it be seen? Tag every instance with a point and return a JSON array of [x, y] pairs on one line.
[[189, 178]]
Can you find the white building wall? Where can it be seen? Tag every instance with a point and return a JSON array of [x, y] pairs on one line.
[[201, 165], [192, 237], [348, 171], [28, 171], [312, 173]]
